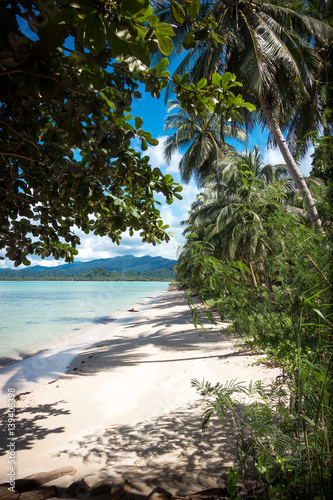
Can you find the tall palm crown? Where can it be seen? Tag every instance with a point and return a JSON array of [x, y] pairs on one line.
[[268, 46], [201, 137], [232, 165], [316, 112]]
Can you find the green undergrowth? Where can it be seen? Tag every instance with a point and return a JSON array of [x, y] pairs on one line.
[[287, 427]]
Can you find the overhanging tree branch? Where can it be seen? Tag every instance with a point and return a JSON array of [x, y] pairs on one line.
[[42, 75], [18, 155]]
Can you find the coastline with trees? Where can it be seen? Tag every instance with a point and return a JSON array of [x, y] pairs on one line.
[[258, 240]]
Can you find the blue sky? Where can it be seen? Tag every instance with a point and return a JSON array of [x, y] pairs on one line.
[[153, 112]]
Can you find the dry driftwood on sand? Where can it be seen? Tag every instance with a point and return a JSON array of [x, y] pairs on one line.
[[34, 481]]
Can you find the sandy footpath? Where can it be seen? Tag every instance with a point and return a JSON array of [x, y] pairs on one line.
[[126, 409]]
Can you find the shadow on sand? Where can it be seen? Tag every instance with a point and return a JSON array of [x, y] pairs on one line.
[[120, 350], [168, 450]]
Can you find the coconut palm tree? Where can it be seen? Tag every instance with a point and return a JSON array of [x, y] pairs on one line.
[[233, 211], [203, 139], [232, 164], [268, 46], [316, 113], [228, 221]]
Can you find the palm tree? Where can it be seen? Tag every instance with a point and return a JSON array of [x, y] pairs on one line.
[[268, 46], [232, 212], [203, 139], [228, 221], [316, 113], [232, 165]]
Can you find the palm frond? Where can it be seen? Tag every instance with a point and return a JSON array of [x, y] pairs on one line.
[[315, 28]]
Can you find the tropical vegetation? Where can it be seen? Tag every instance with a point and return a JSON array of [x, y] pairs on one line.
[[69, 72], [100, 274], [252, 258], [203, 138], [258, 239], [278, 50]]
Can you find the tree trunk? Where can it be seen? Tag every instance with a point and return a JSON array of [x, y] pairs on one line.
[[269, 284], [291, 164], [270, 289], [253, 276]]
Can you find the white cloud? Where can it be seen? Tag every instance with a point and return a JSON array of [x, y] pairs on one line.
[[46, 262], [157, 159], [7, 264], [189, 193], [156, 153], [94, 247], [274, 157], [305, 165], [3, 263]]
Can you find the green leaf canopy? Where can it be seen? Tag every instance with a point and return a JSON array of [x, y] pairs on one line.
[[68, 74]]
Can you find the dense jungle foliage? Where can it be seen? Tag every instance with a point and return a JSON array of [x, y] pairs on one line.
[[253, 252], [251, 255]]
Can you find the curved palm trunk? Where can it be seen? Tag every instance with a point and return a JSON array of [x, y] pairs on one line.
[[291, 164]]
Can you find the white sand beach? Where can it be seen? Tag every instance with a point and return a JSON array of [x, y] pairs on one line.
[[125, 409]]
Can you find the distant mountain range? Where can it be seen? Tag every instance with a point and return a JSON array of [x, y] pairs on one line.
[[125, 268]]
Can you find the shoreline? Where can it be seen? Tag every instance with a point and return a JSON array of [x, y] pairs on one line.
[[7, 361], [126, 410], [71, 326], [50, 361]]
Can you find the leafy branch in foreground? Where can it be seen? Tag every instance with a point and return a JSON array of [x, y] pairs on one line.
[[69, 73]]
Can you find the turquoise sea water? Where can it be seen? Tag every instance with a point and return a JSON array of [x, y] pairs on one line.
[[33, 314]]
